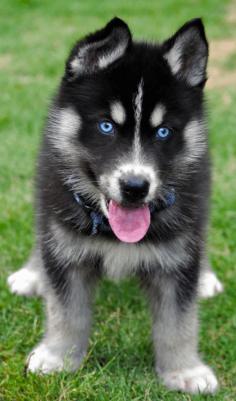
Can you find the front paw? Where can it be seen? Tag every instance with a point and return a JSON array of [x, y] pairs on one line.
[[44, 360], [199, 379], [209, 285], [25, 282]]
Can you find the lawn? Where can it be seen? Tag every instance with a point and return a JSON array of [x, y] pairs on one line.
[[35, 39]]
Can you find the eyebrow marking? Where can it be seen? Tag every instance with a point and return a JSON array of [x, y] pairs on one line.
[[118, 113], [138, 103], [157, 115]]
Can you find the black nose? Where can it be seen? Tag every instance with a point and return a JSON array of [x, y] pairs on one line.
[[134, 188]]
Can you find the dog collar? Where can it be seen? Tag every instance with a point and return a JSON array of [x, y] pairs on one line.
[[100, 223], [98, 220]]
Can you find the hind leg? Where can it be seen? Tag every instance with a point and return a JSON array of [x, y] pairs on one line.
[[209, 285], [30, 279]]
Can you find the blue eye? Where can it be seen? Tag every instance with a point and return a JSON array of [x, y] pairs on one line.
[[106, 127], [163, 133]]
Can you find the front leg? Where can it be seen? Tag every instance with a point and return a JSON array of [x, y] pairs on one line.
[[175, 335], [68, 307]]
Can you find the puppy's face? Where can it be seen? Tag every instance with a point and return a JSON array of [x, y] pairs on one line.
[[129, 116]]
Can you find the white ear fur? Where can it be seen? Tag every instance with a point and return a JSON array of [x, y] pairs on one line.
[[187, 54], [98, 51]]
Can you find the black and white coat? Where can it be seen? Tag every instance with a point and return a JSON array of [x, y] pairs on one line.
[[139, 87]]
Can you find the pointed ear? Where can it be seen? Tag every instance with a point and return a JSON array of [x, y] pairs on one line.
[[99, 50], [187, 52]]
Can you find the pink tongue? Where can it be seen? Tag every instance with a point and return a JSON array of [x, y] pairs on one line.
[[129, 225]]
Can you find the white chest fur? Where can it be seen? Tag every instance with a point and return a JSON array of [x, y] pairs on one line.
[[119, 259]]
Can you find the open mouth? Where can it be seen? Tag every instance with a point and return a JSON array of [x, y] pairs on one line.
[[128, 225], [131, 224]]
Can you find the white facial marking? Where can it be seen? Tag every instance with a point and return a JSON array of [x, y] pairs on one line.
[[118, 112], [111, 181], [69, 122], [104, 206], [157, 115], [137, 165], [196, 141], [138, 103], [64, 125]]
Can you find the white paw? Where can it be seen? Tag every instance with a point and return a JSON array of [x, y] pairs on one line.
[[199, 379], [209, 285], [45, 360], [24, 282], [42, 360]]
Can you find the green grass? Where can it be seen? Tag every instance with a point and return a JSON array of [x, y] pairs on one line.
[[35, 38], [230, 62]]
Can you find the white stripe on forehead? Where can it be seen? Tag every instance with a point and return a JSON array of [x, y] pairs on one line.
[[157, 115], [118, 112], [138, 103]]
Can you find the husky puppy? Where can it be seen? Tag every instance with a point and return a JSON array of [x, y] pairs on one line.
[[122, 189]]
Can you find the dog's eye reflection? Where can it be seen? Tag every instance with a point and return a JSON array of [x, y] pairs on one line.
[[106, 127], [163, 133]]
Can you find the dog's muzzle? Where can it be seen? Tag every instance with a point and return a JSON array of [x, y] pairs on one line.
[[134, 188]]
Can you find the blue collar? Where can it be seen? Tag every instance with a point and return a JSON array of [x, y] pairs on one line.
[[99, 221]]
